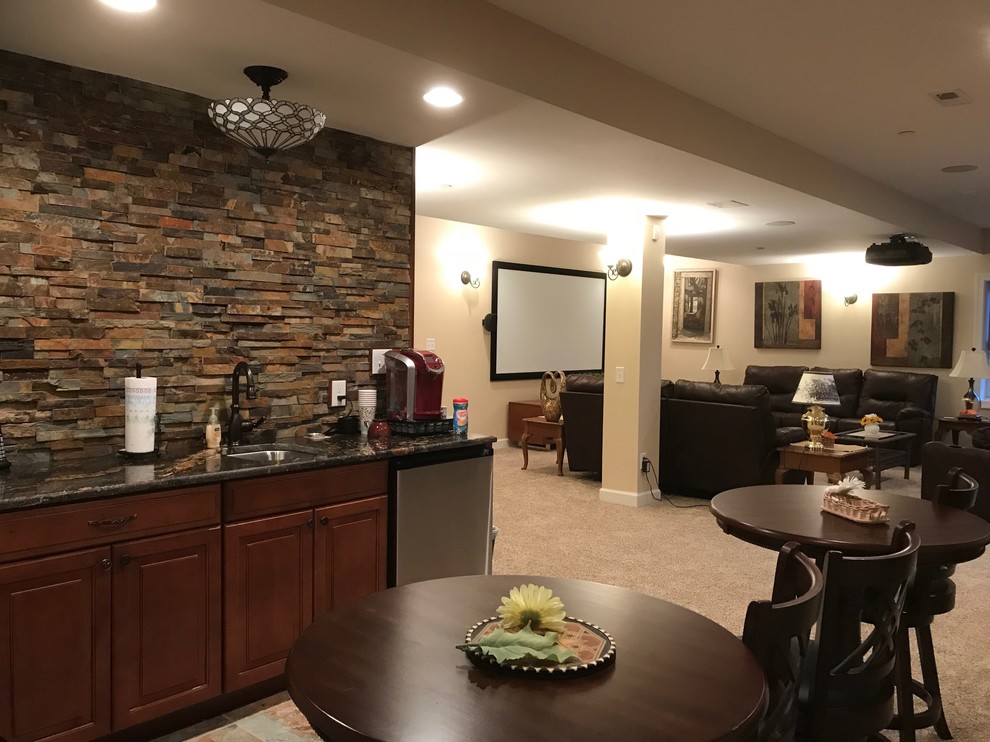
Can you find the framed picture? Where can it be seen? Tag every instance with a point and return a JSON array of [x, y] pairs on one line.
[[912, 330], [694, 307], [788, 314]]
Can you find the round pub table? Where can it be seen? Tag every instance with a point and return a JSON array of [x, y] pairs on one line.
[[385, 667]]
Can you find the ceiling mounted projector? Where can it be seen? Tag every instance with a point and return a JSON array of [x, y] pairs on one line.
[[899, 251]]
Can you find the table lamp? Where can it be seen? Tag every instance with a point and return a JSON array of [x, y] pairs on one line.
[[717, 360], [971, 363], [816, 389]]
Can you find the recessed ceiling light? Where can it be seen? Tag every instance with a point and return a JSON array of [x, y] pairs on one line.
[[443, 97], [131, 6], [782, 223], [959, 169]]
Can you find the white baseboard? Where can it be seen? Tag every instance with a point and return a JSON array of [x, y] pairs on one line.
[[629, 499]]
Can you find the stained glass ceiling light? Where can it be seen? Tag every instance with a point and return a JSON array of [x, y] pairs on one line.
[[265, 124]]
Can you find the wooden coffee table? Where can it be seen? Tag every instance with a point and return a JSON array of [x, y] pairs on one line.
[[540, 427], [835, 462]]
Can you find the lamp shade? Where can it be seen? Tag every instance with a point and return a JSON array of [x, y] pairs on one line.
[[717, 360], [816, 388], [972, 364], [264, 124]]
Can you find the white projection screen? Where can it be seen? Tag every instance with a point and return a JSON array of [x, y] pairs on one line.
[[546, 319]]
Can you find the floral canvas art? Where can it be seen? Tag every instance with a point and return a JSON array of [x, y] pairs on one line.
[[912, 330], [788, 314]]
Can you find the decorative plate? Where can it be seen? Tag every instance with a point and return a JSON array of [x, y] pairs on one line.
[[594, 647]]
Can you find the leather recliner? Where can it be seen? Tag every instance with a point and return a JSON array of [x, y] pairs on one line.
[[582, 406], [715, 437]]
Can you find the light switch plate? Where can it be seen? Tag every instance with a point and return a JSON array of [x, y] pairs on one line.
[[338, 394], [620, 374]]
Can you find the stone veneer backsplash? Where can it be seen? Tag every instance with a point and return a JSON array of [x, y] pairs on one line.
[[133, 231]]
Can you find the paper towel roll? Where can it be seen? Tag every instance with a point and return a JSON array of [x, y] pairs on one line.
[[140, 399]]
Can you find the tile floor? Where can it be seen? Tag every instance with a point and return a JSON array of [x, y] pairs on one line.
[[273, 719]]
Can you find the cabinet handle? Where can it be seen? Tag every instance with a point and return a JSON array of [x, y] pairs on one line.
[[324, 521], [110, 522], [106, 564], [310, 523], [125, 560]]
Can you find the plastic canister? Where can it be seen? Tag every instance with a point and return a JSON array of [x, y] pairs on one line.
[[460, 416]]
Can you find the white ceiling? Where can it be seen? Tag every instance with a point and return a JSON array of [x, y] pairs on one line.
[[552, 132]]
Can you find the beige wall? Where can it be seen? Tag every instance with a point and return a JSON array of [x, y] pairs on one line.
[[845, 329], [451, 313]]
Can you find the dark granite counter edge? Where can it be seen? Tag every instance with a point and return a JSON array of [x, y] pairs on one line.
[[101, 479]]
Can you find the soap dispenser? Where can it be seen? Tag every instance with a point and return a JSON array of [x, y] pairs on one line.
[[213, 430]]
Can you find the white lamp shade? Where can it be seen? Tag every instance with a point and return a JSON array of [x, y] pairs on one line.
[[972, 364], [816, 388], [717, 360]]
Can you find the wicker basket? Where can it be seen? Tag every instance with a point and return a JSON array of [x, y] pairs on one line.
[[855, 508]]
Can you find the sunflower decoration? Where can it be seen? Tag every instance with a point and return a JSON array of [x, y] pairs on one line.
[[534, 606]]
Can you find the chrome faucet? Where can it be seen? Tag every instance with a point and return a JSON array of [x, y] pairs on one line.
[[236, 426]]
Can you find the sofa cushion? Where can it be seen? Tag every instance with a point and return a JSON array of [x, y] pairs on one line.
[[981, 437], [588, 383], [849, 384], [781, 382]]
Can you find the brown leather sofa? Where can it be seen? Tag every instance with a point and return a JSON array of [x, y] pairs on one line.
[[936, 460], [581, 404], [715, 437], [905, 400]]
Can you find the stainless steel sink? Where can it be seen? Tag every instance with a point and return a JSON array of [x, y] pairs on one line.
[[271, 455]]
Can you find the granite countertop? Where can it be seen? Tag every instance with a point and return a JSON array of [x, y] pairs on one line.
[[26, 486]]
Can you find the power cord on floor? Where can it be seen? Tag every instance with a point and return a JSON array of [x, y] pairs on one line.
[[660, 499]]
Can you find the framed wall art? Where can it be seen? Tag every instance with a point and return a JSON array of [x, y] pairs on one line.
[[788, 314], [912, 330], [694, 307]]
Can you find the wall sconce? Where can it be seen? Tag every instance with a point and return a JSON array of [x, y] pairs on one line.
[[850, 299], [622, 268], [467, 281]]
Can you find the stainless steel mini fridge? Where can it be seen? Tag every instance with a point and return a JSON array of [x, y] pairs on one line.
[[442, 515]]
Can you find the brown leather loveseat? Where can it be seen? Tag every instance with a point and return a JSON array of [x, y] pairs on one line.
[[715, 437], [905, 400]]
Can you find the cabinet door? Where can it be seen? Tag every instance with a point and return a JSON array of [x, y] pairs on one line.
[[350, 552], [166, 624], [55, 647], [268, 594]]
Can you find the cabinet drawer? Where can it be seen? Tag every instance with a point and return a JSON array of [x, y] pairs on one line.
[[51, 530], [249, 498]]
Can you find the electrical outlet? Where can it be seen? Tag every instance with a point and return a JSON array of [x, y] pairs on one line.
[[644, 463], [378, 361], [431, 343], [338, 393]]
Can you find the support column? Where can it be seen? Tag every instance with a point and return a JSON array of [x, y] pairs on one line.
[[633, 320]]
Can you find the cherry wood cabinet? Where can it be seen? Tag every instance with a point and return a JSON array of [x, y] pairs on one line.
[[166, 624], [281, 571], [55, 647]]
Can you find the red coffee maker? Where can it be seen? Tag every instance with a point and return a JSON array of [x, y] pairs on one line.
[[413, 384]]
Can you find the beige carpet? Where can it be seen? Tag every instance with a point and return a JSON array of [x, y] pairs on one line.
[[556, 526], [551, 525]]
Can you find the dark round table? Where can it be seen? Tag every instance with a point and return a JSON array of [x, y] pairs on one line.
[[385, 667], [771, 515]]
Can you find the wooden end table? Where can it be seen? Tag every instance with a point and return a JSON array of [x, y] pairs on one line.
[[955, 425], [834, 462], [541, 427]]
